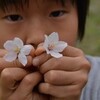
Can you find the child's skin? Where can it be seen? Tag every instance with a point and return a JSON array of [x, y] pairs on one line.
[[65, 77]]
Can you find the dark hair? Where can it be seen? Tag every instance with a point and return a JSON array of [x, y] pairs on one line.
[[82, 7]]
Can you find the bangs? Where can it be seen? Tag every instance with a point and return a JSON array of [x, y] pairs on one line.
[[63, 2], [4, 4]]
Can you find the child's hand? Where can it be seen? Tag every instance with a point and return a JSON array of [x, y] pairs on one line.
[[64, 78], [18, 84]]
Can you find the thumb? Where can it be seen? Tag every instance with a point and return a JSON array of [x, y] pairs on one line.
[[40, 49]]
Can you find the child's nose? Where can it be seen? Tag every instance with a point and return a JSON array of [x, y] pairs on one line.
[[35, 37], [35, 34]]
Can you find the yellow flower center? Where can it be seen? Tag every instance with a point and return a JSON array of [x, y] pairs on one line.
[[51, 46], [17, 50]]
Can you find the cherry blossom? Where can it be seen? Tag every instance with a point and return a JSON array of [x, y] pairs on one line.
[[53, 46], [17, 49]]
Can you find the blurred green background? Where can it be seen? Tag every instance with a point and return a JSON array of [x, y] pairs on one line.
[[91, 42]]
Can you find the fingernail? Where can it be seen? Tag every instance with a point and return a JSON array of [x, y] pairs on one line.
[[36, 62]]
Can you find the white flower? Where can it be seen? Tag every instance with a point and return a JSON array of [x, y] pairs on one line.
[[16, 49], [53, 46]]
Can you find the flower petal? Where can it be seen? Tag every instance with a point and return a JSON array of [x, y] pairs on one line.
[[60, 46], [18, 42], [9, 45], [53, 37], [11, 56], [46, 43], [48, 51], [56, 54], [22, 59], [26, 49]]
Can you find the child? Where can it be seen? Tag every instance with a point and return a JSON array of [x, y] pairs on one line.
[[56, 79]]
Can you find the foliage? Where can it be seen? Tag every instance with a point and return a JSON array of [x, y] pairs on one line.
[[91, 42]]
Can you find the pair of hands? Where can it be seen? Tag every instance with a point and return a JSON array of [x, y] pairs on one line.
[[56, 79]]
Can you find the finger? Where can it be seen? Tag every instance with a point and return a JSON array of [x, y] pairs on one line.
[[32, 52], [72, 52], [37, 61], [2, 52], [57, 77], [40, 49], [16, 63], [27, 85], [10, 75], [65, 63], [59, 91], [9, 79], [69, 51]]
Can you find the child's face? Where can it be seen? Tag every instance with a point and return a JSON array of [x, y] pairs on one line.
[[40, 17]]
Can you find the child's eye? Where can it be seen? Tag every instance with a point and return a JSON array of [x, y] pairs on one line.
[[13, 18], [58, 13]]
